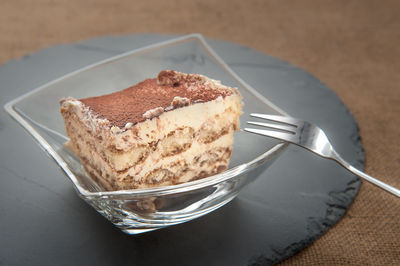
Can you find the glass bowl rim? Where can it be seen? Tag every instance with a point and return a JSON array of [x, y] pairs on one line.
[[156, 191]]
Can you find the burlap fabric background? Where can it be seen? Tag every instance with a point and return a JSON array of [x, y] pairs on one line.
[[352, 46]]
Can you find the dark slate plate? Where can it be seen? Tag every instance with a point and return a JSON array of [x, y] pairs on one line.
[[299, 198]]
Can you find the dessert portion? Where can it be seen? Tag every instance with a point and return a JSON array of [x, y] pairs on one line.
[[167, 130]]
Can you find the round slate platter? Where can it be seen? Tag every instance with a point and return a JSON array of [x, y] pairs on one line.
[[301, 196]]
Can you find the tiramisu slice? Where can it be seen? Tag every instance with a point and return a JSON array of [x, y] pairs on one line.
[[163, 131]]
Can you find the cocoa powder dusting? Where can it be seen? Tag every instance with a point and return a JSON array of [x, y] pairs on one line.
[[130, 104]]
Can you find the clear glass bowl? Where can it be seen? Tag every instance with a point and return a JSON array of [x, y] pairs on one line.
[[138, 211]]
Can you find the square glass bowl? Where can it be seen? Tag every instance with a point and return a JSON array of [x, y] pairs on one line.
[[141, 210]]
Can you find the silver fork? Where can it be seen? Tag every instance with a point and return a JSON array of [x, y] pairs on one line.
[[311, 137]]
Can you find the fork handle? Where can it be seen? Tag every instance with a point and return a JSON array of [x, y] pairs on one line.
[[363, 175]]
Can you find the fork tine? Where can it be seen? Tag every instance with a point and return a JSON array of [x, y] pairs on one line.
[[273, 134], [277, 118], [312, 138], [285, 128]]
